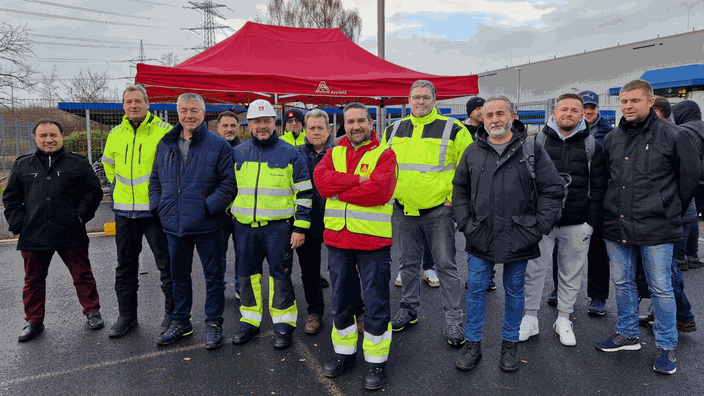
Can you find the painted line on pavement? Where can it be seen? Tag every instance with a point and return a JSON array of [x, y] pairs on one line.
[[315, 366]]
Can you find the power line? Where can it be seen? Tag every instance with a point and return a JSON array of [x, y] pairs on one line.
[[90, 10], [78, 45], [210, 11], [153, 2], [70, 18], [98, 41]]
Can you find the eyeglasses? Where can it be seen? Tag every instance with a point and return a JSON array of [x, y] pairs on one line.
[[418, 98]]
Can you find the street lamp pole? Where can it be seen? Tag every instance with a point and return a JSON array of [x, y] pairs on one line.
[[519, 84]]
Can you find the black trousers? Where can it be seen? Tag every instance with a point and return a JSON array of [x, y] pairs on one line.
[[309, 260], [129, 245]]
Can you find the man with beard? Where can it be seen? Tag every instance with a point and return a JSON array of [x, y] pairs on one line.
[[272, 214], [358, 178], [428, 147], [228, 127], [503, 214], [566, 140]]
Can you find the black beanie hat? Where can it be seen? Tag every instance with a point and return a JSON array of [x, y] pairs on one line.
[[293, 113], [473, 104]]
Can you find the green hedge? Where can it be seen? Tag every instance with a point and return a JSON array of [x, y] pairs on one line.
[[78, 142]]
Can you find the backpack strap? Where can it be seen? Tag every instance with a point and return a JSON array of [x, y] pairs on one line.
[[529, 155], [590, 147]]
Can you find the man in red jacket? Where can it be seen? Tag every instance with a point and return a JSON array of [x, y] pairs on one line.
[[358, 178]]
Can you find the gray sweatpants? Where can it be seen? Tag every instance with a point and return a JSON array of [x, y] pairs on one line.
[[438, 228], [572, 252]]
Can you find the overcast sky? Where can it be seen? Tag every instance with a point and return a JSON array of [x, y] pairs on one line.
[[442, 37]]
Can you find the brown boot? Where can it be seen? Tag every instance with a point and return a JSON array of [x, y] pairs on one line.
[[313, 324], [360, 324]]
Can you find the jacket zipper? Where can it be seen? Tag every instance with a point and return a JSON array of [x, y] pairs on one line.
[[140, 154], [134, 141], [256, 185]]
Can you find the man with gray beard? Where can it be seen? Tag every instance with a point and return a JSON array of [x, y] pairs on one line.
[[503, 214]]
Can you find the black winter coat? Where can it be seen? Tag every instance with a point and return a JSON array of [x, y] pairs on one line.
[[653, 170], [495, 203], [600, 128], [570, 156], [317, 214], [688, 117], [190, 199], [45, 197]]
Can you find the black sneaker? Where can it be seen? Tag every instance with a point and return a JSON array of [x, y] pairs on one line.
[[454, 334], [694, 262], [596, 308], [174, 333], [95, 321], [492, 284], [374, 378], [552, 299], [403, 317], [509, 356], [471, 355], [324, 283], [687, 327], [213, 338], [682, 265], [165, 323]]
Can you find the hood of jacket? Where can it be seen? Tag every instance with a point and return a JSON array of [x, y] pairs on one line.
[[580, 131], [686, 111]]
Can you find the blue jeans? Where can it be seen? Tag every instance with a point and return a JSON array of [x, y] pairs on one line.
[[477, 283], [228, 231], [657, 263], [210, 252], [684, 308]]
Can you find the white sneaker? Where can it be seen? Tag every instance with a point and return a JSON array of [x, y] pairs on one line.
[[529, 328], [431, 277], [397, 282], [563, 327]]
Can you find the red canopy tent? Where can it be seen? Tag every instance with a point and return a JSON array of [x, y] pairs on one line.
[[318, 66]]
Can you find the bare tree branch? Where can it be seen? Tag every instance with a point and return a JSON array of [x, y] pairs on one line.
[[321, 14], [169, 59], [88, 87], [15, 50]]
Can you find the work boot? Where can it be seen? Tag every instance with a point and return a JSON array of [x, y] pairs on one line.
[[471, 355], [374, 378], [282, 340], [30, 330], [338, 366], [95, 321], [123, 325], [509, 356], [245, 334]]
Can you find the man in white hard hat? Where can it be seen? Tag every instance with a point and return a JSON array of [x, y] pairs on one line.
[[271, 212]]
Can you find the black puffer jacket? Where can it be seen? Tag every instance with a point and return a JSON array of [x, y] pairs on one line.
[[318, 212], [45, 197], [652, 172], [570, 156], [495, 204]]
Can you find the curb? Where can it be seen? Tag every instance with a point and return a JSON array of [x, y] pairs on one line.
[[90, 235]]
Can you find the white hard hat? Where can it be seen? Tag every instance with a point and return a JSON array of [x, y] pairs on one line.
[[260, 108]]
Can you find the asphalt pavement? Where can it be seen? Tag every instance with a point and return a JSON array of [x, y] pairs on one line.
[[69, 359]]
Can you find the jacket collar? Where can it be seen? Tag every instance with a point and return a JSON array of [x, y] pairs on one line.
[[425, 119], [629, 127], [366, 146], [149, 117], [518, 129], [56, 154], [553, 130], [198, 134], [266, 143], [328, 144]]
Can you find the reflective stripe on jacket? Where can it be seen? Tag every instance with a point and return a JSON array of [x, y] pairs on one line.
[[128, 158], [367, 220], [273, 183], [427, 150]]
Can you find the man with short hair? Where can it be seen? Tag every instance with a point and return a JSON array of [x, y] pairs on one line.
[[272, 213], [228, 127], [318, 141], [50, 196], [503, 211], [127, 159], [653, 171], [294, 134], [191, 184], [428, 146], [575, 153], [663, 108], [358, 178]]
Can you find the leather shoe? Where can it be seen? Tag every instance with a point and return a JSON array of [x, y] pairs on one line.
[[122, 326], [374, 378], [244, 335], [471, 355], [509, 356], [282, 340], [165, 323], [95, 321], [338, 366], [313, 325], [30, 330]]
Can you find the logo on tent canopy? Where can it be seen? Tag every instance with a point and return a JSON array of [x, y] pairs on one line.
[[323, 88]]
